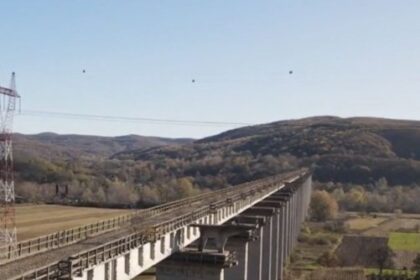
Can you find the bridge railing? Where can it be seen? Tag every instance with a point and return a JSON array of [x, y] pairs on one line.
[[54, 271], [216, 200], [58, 239], [118, 247], [66, 237]]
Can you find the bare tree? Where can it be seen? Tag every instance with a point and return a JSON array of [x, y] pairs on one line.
[[383, 258]]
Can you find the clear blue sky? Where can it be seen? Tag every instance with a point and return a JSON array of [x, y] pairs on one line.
[[350, 58]]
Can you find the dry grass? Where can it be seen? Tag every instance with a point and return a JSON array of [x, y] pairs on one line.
[[364, 223], [337, 273], [397, 224], [35, 220], [314, 241]]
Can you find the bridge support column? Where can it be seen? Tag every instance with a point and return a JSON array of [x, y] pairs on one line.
[[295, 198], [267, 239], [288, 217], [252, 265], [255, 251], [293, 217], [282, 240], [240, 246], [280, 234]]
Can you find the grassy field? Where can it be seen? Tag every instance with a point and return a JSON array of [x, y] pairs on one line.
[[36, 220], [364, 223], [313, 242], [393, 225], [370, 271], [404, 241], [337, 273]]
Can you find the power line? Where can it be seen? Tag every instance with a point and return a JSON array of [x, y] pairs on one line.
[[156, 121], [89, 117]]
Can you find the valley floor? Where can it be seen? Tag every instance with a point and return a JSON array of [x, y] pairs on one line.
[[316, 238], [34, 220], [399, 232]]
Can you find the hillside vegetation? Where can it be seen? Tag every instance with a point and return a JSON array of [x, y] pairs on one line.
[[348, 151], [354, 150], [53, 146]]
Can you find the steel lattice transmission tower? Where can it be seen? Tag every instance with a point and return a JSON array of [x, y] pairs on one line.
[[8, 98]]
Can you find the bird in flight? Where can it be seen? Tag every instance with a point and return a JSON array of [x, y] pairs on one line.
[[290, 72]]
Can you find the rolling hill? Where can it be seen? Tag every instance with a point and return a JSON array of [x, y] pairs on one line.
[[340, 150], [356, 150], [54, 146]]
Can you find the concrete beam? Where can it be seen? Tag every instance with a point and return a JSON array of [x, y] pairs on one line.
[[220, 234], [271, 203], [282, 196], [249, 219], [260, 211]]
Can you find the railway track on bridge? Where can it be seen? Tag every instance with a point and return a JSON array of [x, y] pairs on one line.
[[107, 239]]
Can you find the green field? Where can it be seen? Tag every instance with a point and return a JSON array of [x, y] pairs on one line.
[[404, 241], [370, 271]]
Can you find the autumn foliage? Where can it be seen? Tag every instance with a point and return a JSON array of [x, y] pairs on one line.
[[323, 206]]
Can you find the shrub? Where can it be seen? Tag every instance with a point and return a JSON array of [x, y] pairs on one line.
[[323, 206], [328, 259]]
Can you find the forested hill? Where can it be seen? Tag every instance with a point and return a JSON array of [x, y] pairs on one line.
[[56, 147], [356, 150], [135, 169]]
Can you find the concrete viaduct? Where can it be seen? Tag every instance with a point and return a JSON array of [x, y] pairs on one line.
[[247, 231]]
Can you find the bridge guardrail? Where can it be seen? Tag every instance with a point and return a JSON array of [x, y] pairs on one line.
[[58, 239], [111, 249], [66, 237]]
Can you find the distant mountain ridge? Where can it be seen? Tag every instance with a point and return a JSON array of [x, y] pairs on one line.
[[52, 146], [347, 150], [269, 128]]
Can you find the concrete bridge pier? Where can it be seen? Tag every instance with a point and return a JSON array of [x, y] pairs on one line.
[[282, 240], [255, 251], [278, 236], [265, 270], [291, 212], [225, 260], [240, 246], [254, 260], [286, 222]]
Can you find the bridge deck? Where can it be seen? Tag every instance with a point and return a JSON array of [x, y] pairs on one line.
[[19, 267], [140, 224]]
